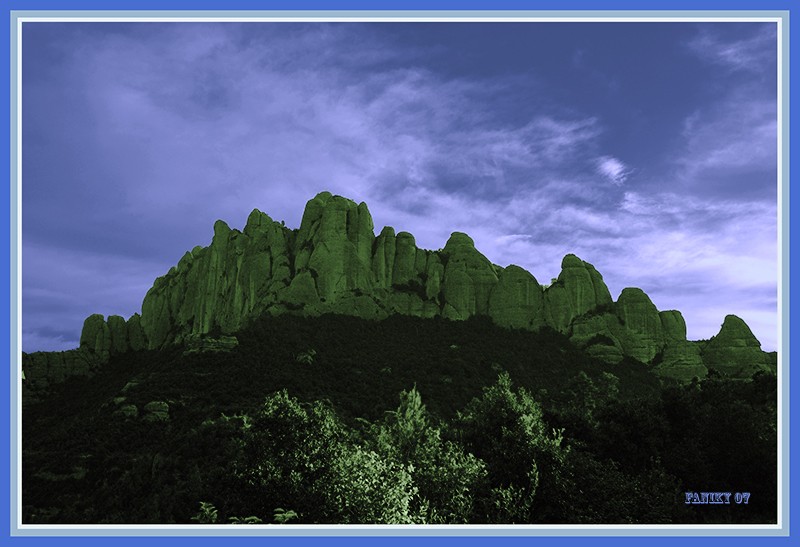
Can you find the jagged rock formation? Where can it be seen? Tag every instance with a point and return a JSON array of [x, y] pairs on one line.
[[735, 351], [100, 339], [44, 368], [578, 289], [334, 263], [681, 359], [517, 300], [207, 344]]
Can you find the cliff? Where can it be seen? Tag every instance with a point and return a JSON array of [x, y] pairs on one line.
[[334, 263]]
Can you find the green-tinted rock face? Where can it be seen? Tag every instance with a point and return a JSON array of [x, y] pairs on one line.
[[644, 335], [136, 338], [156, 411], [589, 326], [118, 330], [735, 351], [198, 343], [605, 352], [219, 286], [404, 259], [517, 300], [680, 359], [601, 335], [334, 264], [469, 278], [579, 289], [96, 336], [302, 291], [434, 274], [41, 369], [383, 258], [338, 234], [673, 325], [100, 339]]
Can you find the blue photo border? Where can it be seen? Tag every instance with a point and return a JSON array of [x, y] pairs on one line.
[[435, 8]]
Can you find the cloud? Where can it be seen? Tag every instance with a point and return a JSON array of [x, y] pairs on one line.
[[61, 287], [197, 122], [731, 141], [751, 50], [706, 257], [613, 169]]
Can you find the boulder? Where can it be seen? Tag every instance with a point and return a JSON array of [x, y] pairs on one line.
[[156, 411], [127, 411]]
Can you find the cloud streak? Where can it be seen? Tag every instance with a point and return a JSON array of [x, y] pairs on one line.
[[753, 50]]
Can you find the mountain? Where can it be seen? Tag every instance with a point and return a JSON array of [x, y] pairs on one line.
[[335, 264]]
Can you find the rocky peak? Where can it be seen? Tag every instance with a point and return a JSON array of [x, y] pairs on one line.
[[334, 246], [735, 332], [578, 289], [468, 278], [735, 351], [333, 263]]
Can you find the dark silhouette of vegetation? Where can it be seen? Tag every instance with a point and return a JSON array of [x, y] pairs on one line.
[[492, 426]]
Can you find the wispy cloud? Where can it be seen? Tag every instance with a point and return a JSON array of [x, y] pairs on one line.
[[200, 122], [613, 169], [737, 136], [755, 51]]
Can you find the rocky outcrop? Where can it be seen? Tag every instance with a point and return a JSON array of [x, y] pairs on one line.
[[218, 287], [734, 351], [136, 339], [42, 369], [469, 278], [644, 336], [517, 300], [578, 289], [99, 340], [198, 343], [156, 411], [96, 336], [601, 334], [334, 263], [680, 359], [334, 246]]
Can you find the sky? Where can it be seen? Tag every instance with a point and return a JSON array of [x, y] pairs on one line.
[[647, 149]]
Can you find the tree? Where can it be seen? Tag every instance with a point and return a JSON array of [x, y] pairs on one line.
[[505, 429], [301, 456], [447, 478]]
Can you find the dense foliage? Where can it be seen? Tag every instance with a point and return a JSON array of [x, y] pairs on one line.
[[342, 420]]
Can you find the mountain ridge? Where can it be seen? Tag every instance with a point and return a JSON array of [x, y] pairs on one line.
[[334, 263]]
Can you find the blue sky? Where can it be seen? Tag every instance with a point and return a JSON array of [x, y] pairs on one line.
[[647, 149]]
